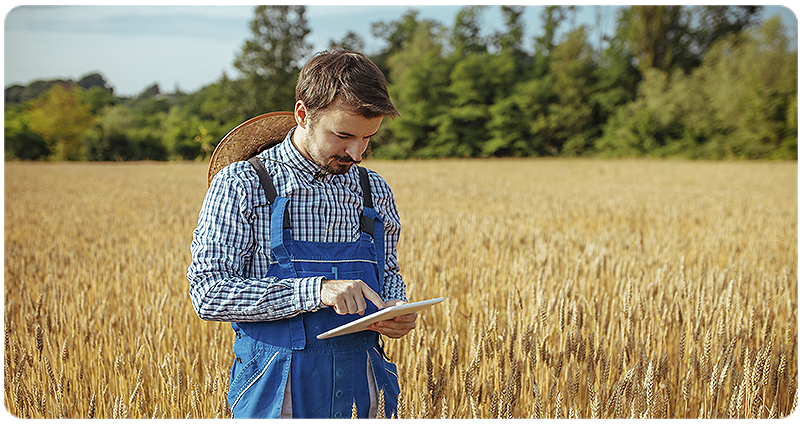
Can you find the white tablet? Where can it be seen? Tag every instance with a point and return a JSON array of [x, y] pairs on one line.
[[387, 313]]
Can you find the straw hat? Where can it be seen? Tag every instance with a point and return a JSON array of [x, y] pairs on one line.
[[249, 138]]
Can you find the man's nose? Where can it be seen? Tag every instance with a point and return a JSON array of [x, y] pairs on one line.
[[355, 149]]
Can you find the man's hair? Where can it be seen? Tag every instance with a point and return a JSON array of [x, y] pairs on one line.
[[347, 77]]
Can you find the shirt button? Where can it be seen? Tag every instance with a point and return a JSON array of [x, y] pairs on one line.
[[337, 415], [339, 373], [330, 192], [339, 394]]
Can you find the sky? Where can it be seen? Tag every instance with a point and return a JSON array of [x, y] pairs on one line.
[[187, 47]]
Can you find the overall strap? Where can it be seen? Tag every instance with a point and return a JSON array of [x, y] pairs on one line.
[[278, 232], [277, 236], [372, 224], [269, 187], [367, 223]]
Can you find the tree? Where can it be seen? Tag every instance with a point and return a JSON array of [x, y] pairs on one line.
[[397, 34], [96, 98], [716, 22], [572, 119], [94, 79], [20, 141], [552, 18], [657, 36], [119, 134], [741, 102], [670, 37], [750, 83], [61, 120], [465, 36], [152, 91], [217, 102], [350, 41], [617, 77], [512, 39], [419, 80], [271, 59]]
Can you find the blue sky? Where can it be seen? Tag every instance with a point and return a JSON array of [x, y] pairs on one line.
[[191, 46]]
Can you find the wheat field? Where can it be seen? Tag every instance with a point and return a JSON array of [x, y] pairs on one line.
[[574, 289]]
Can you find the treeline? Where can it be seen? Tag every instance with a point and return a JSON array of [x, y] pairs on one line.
[[710, 82]]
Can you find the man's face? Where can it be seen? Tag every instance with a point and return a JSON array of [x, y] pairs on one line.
[[336, 139]]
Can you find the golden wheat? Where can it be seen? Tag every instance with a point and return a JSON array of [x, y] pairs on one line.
[[575, 289]]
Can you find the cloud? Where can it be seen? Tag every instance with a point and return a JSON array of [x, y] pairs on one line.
[[200, 22]]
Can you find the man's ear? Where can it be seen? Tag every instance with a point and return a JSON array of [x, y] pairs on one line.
[[301, 114]]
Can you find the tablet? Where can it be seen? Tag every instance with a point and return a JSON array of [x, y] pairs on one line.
[[361, 324]]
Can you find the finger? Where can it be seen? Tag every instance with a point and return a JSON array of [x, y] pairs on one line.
[[340, 306], [392, 326], [393, 329], [372, 296], [410, 317], [352, 303], [360, 304]]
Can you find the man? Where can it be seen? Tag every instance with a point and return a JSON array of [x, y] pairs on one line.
[[314, 252]]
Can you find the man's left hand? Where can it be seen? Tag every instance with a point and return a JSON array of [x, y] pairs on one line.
[[397, 327]]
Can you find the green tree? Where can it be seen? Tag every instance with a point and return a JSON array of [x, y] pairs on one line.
[[270, 60], [419, 78], [658, 36], [750, 83], [397, 35], [120, 135], [670, 37], [616, 76], [92, 80], [740, 103], [350, 41], [150, 92], [552, 18], [20, 141], [716, 22], [572, 118], [96, 98], [217, 103], [465, 36], [512, 39], [61, 120]]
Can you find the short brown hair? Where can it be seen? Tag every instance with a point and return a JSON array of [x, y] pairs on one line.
[[348, 77]]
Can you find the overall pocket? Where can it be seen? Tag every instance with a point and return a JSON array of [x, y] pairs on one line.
[[258, 379]]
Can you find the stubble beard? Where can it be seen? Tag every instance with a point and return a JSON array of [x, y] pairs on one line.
[[330, 165]]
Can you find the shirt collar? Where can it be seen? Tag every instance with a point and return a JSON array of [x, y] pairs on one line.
[[288, 153]]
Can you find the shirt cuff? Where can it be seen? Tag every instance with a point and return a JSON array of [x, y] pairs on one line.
[[307, 291]]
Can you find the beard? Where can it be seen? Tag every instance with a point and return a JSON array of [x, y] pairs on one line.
[[337, 164], [332, 165]]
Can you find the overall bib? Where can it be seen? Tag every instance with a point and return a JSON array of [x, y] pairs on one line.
[[327, 376]]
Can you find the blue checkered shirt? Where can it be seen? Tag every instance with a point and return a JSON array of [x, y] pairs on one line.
[[228, 274]]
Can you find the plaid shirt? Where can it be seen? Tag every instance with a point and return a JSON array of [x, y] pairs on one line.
[[228, 272]]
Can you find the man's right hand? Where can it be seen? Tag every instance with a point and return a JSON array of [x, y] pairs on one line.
[[348, 296]]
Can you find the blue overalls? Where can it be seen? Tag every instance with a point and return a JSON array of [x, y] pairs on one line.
[[329, 375]]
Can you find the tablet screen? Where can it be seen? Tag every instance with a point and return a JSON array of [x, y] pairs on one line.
[[361, 324]]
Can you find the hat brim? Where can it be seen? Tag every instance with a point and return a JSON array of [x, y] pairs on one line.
[[249, 138]]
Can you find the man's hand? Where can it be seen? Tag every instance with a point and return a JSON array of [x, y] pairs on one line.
[[397, 327], [348, 296]]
